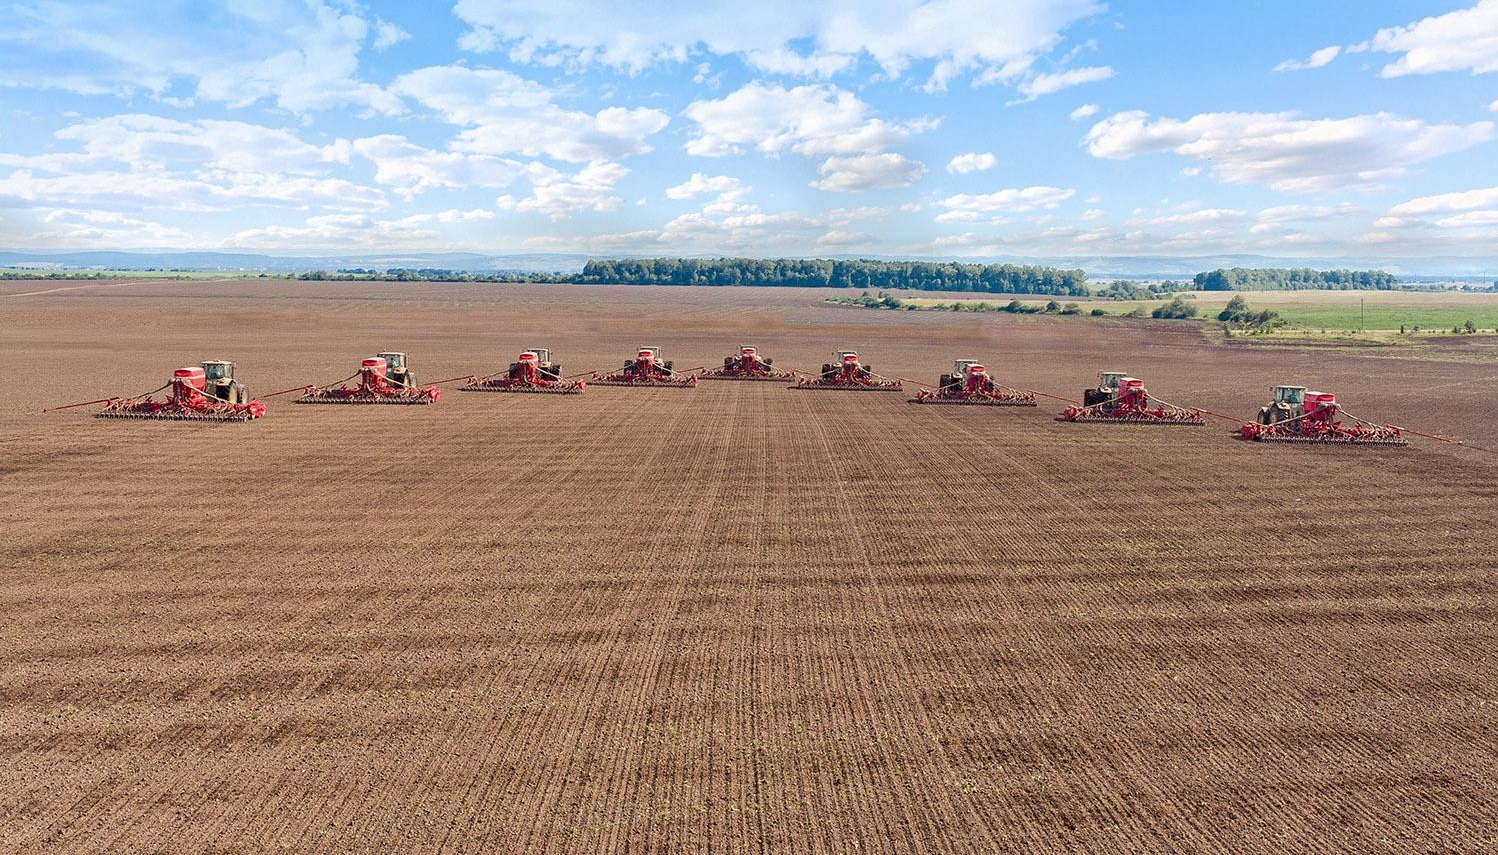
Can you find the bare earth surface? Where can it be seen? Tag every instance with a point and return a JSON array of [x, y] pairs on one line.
[[739, 618]]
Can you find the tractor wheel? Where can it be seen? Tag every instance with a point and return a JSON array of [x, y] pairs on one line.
[[244, 394], [768, 362], [826, 369], [1264, 417], [1092, 397], [727, 363], [408, 379], [668, 366]]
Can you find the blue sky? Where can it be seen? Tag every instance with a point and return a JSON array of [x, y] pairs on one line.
[[949, 128]]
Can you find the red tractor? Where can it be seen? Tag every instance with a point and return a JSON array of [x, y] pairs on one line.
[[970, 383], [206, 392], [533, 371], [383, 379], [1296, 415], [847, 374], [647, 369], [1121, 398], [748, 365]]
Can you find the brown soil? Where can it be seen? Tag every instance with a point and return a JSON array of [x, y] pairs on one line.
[[736, 618]]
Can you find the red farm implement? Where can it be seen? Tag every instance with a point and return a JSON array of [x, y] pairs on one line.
[[1121, 398], [846, 374], [646, 369], [970, 383], [748, 365], [206, 392], [1297, 415], [382, 379], [533, 371]]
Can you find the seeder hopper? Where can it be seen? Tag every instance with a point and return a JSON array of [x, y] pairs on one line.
[[748, 365], [533, 371], [647, 369], [969, 383], [206, 392], [1121, 398], [846, 374], [383, 379], [1296, 415]]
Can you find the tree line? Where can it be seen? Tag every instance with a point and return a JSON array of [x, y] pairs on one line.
[[1293, 279], [827, 273]]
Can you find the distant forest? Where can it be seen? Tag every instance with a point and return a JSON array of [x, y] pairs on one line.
[[1297, 279], [824, 273]]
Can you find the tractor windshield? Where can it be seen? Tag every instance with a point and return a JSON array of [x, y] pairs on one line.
[[394, 360], [215, 370], [1290, 395]]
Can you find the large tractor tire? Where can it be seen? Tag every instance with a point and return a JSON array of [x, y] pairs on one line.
[[1093, 397], [768, 362]]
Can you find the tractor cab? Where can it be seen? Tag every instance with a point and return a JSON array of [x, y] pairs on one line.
[[961, 366], [217, 369], [1294, 396], [1111, 381], [396, 362], [543, 355], [748, 351], [218, 377], [845, 356]]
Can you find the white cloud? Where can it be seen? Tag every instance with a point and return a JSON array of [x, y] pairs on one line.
[[1465, 200], [839, 239], [1493, 106], [1045, 84], [1464, 40], [1013, 200], [150, 142], [779, 36], [1315, 60], [303, 56], [1194, 218], [868, 172], [972, 162], [810, 120], [388, 35], [1289, 153], [722, 186], [507, 114], [339, 231], [1307, 213], [413, 170], [135, 161], [559, 195], [74, 229], [1086, 111]]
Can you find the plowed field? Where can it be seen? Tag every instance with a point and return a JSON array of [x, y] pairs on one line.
[[736, 618]]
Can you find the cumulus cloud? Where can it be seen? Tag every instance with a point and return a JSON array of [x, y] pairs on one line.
[[722, 186], [1045, 84], [412, 169], [388, 35], [1307, 213], [1289, 153], [868, 172], [66, 228], [139, 161], [301, 56], [507, 114], [1013, 200], [1464, 40], [1465, 200], [337, 231], [1315, 60], [1086, 111], [560, 195], [972, 162], [780, 36], [810, 120]]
